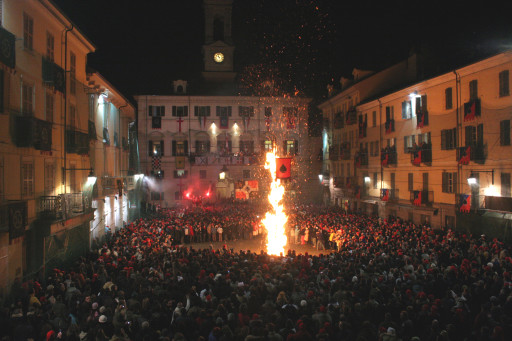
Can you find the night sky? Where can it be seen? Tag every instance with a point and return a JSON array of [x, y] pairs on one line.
[[143, 46]]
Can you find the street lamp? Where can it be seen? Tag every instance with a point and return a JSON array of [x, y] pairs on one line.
[[223, 171], [91, 178]]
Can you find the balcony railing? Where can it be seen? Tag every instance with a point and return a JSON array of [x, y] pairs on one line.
[[387, 194], [223, 159], [422, 198], [77, 142], [32, 132], [466, 203], [388, 156], [362, 129], [338, 122], [62, 206]]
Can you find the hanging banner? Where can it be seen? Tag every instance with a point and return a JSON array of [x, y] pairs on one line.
[[241, 194], [283, 168], [465, 203], [180, 162]]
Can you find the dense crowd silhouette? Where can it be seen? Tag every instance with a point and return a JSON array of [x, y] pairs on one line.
[[379, 279]]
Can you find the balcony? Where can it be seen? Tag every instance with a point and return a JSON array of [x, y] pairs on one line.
[[476, 153], [361, 159], [421, 119], [206, 159], [472, 110], [351, 116], [53, 75], [32, 132], [77, 142], [422, 198], [62, 206], [388, 156], [389, 126], [421, 154], [338, 182], [390, 195]]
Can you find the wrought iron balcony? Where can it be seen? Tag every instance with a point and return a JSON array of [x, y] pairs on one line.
[[421, 119], [421, 154], [422, 198], [391, 195], [472, 109], [63, 206], [351, 116], [32, 132], [77, 142], [361, 159], [476, 153], [205, 159]]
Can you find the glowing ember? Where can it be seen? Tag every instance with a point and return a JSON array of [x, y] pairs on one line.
[[274, 221]]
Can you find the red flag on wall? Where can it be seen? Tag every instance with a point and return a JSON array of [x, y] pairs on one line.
[[283, 168]]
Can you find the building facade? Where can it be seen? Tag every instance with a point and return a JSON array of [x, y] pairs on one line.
[[47, 150], [214, 146], [438, 151]]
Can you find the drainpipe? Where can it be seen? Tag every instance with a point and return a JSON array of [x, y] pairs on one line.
[[459, 133], [64, 175], [380, 144], [118, 136]]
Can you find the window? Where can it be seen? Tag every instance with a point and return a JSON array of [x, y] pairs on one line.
[[505, 184], [202, 111], [504, 83], [290, 114], [27, 178], [247, 174], [390, 113], [27, 99], [473, 89], [72, 73], [50, 46], [449, 182], [409, 142], [374, 119], [28, 32], [72, 179], [179, 148], [48, 107], [106, 114], [449, 221], [202, 174], [291, 147], [223, 111], [375, 180], [410, 182], [448, 98], [72, 117], [224, 146], [245, 111], [180, 174], [49, 178], [505, 133], [180, 111], [156, 111], [1, 179], [475, 135], [157, 196], [406, 110], [423, 138], [247, 147], [156, 148], [267, 145], [448, 139], [202, 147]]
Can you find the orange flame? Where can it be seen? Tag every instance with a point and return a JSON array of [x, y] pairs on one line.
[[274, 221]]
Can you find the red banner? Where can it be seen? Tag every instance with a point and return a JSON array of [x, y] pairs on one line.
[[283, 168]]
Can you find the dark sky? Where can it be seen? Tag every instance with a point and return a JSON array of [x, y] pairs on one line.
[[142, 46]]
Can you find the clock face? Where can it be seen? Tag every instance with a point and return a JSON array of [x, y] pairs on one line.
[[218, 57]]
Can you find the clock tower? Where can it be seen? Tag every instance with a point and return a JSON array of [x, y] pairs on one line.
[[218, 47]]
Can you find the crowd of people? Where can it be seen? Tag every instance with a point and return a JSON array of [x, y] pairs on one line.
[[384, 279]]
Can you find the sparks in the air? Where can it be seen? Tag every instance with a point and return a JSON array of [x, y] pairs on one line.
[[275, 221]]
